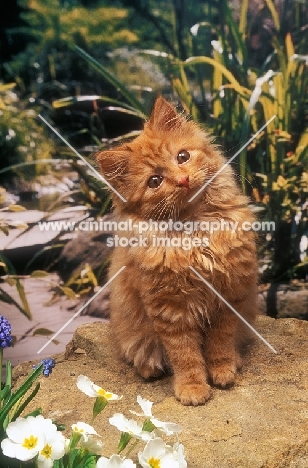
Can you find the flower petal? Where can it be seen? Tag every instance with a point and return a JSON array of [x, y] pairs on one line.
[[146, 406], [157, 451], [86, 386], [129, 425], [115, 461], [84, 428], [91, 445], [169, 428]]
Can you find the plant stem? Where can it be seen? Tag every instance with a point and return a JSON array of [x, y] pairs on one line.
[[132, 447], [1, 359]]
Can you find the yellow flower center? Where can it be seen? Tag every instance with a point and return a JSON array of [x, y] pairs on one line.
[[104, 394], [46, 451], [30, 443], [154, 462]]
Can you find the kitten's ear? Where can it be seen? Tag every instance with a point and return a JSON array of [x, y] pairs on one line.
[[113, 164], [164, 116]]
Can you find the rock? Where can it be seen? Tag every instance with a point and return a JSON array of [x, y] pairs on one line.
[[87, 247], [21, 245], [99, 306], [284, 300], [261, 422]]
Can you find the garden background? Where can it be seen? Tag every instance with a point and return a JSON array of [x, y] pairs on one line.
[[92, 69]]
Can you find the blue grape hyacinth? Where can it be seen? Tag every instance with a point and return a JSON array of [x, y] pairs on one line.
[[5, 332], [49, 364]]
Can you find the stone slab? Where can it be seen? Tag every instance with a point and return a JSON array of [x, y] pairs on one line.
[[261, 422]]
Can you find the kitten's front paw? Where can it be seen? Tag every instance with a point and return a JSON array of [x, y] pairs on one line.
[[193, 394], [223, 376]]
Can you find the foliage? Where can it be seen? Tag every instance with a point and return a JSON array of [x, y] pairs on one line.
[[46, 63], [22, 139], [273, 168], [38, 442], [232, 70], [7, 267], [13, 403]]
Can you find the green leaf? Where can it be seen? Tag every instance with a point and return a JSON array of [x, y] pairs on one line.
[[243, 17], [84, 459], [34, 413], [5, 391], [5, 297], [23, 299], [71, 100], [5, 231], [26, 402], [16, 208], [45, 249], [148, 426], [124, 439], [31, 163], [8, 373], [10, 281], [20, 392], [113, 80], [274, 13], [39, 274], [43, 332], [191, 61], [11, 270], [68, 292]]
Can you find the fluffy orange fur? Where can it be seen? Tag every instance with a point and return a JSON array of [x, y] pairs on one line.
[[162, 315]]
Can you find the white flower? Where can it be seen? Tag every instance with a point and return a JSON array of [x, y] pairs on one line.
[[179, 454], [91, 445], [169, 428], [157, 454], [28, 437], [129, 425], [89, 388], [25, 439], [115, 461], [84, 429], [146, 406], [67, 445], [54, 449]]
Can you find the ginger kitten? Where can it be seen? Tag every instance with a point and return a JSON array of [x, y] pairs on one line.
[[162, 314]]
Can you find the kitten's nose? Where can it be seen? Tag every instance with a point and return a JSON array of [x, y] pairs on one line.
[[184, 181]]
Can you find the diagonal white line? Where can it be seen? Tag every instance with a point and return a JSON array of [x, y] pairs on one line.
[[233, 310], [82, 158], [80, 310], [231, 159]]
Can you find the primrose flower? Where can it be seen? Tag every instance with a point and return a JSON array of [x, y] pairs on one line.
[[146, 407], [5, 332], [169, 428], [130, 426], [91, 445], [49, 364], [178, 450], [54, 449], [115, 461], [157, 454], [32, 436], [84, 430], [89, 388]]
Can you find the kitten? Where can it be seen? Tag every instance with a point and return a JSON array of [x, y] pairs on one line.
[[162, 314]]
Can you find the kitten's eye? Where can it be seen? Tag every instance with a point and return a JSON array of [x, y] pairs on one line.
[[183, 156], [155, 181]]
